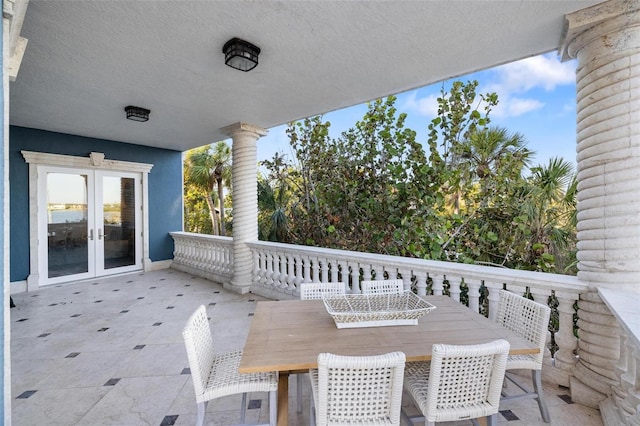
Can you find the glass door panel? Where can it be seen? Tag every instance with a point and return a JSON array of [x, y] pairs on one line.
[[119, 221], [92, 223], [67, 224]]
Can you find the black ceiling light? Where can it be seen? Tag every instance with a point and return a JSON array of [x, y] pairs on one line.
[[136, 113], [240, 54]]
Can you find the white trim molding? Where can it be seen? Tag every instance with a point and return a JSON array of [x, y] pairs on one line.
[[95, 161]]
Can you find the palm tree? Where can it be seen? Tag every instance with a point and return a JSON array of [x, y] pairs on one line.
[[486, 184], [274, 198], [551, 207], [492, 152], [272, 202], [222, 174], [206, 168]]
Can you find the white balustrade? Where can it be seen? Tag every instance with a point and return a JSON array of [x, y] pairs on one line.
[[623, 405], [455, 287], [278, 269], [205, 256], [437, 283], [303, 264], [473, 286]]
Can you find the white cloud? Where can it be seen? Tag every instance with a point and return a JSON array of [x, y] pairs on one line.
[[544, 71], [512, 83], [427, 106], [515, 107]]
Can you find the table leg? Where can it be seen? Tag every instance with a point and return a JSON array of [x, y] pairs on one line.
[[283, 398]]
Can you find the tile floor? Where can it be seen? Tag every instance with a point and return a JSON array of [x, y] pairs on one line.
[[110, 352]]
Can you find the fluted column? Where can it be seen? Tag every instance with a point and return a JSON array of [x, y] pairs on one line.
[[606, 42], [245, 201], [605, 39]]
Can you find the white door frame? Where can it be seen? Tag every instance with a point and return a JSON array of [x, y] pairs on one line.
[[95, 161], [101, 269]]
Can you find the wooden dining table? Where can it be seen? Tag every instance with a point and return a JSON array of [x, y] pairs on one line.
[[287, 336]]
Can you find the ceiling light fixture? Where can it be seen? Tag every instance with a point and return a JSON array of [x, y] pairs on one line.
[[240, 54], [136, 113]]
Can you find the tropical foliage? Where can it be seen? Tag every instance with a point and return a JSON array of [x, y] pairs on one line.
[[207, 171], [470, 196], [469, 193]]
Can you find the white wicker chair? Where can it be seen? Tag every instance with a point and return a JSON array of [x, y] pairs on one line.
[[529, 320], [315, 291], [216, 375], [382, 286], [460, 383], [357, 390]]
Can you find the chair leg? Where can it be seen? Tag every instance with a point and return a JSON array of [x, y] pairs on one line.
[[405, 417], [536, 376], [299, 392], [202, 407], [273, 408], [312, 412], [492, 420], [243, 408]]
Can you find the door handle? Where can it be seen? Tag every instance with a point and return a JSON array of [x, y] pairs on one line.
[[99, 233], [91, 234]]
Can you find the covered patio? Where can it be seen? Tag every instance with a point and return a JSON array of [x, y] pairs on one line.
[[110, 352], [70, 69]]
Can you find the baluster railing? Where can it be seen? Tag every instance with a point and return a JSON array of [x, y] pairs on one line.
[[406, 278], [473, 286], [205, 256], [279, 269], [623, 406], [542, 296], [291, 268], [437, 283], [421, 282], [354, 269], [494, 298]]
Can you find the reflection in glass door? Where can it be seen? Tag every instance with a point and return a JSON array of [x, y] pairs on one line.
[[67, 224], [92, 222], [119, 221]]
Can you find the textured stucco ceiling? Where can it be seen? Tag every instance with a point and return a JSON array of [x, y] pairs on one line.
[[85, 61]]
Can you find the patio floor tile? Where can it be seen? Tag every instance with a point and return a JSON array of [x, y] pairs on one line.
[[121, 361]]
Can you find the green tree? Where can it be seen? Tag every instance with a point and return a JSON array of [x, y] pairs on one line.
[[207, 168], [462, 112], [375, 189], [552, 216], [493, 158], [196, 212], [309, 139], [222, 174], [274, 200], [490, 165], [370, 189]]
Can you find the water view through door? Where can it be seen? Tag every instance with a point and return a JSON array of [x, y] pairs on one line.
[[67, 224], [92, 223]]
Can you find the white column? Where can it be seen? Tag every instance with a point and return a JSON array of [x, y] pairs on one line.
[[245, 201], [605, 39]]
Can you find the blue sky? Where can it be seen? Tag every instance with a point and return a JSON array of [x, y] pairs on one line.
[[537, 99]]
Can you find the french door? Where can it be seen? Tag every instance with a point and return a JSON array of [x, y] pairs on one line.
[[91, 222]]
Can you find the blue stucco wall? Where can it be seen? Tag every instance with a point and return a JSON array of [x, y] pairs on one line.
[[2, 235], [165, 187]]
